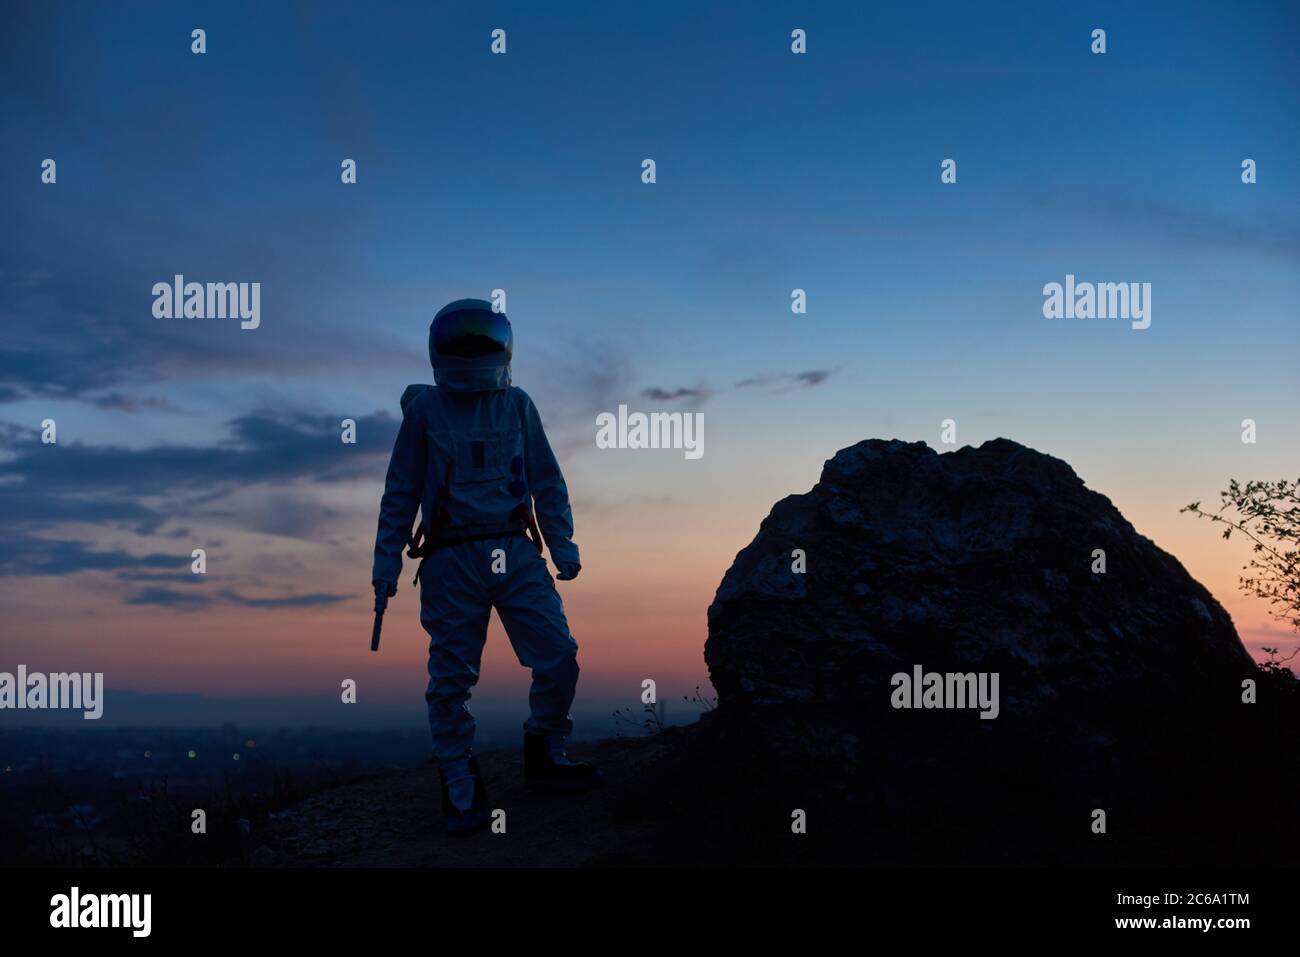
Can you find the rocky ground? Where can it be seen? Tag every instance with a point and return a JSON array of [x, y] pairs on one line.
[[394, 820], [696, 796]]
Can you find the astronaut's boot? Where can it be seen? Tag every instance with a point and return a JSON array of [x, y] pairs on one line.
[[548, 768], [464, 799]]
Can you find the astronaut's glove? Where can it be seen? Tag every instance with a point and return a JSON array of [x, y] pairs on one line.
[[385, 589], [567, 571]]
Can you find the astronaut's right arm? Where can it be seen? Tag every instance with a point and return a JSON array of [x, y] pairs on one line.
[[401, 501]]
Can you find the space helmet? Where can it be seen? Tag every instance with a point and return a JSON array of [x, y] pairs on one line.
[[470, 347]]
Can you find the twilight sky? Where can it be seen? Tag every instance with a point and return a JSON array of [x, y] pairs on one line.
[[522, 172]]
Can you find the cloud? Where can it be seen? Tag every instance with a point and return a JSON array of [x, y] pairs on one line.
[[668, 395], [245, 480], [29, 555], [786, 380], [815, 377], [47, 485], [167, 598], [177, 578], [189, 600], [777, 381], [130, 403], [287, 601]]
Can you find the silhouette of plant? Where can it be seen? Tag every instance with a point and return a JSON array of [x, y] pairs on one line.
[[700, 701], [650, 723], [1277, 666], [1267, 513], [652, 718]]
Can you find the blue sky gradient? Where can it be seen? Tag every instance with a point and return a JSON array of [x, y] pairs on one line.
[[522, 172]]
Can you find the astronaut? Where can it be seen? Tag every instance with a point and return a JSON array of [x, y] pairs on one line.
[[471, 456]]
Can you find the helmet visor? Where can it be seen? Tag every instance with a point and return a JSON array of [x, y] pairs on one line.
[[471, 333]]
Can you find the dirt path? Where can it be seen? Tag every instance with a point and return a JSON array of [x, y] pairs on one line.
[[395, 820]]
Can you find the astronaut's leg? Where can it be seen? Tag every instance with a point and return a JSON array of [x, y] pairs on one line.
[[533, 616], [454, 610]]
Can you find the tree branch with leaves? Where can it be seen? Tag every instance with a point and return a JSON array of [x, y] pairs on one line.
[[1268, 515]]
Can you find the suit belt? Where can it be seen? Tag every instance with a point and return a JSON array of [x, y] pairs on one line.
[[430, 547]]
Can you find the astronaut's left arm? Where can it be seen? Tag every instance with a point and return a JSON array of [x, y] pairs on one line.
[[550, 494]]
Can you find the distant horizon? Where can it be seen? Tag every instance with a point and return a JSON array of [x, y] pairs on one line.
[[593, 717]]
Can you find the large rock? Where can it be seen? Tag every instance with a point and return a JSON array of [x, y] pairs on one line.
[[978, 560]]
